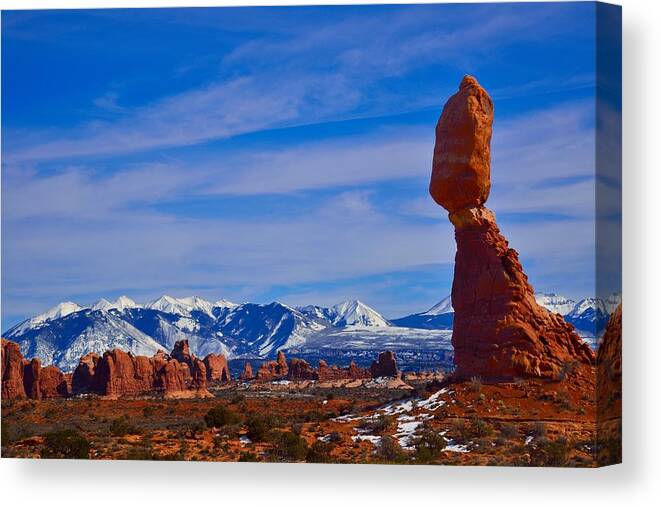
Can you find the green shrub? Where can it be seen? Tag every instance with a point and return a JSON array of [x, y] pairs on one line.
[[259, 426], [389, 450], [429, 446], [120, 427], [290, 447], [377, 425], [320, 452], [248, 456], [221, 416], [68, 444], [547, 453]]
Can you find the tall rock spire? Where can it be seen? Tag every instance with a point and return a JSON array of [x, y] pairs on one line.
[[499, 330]]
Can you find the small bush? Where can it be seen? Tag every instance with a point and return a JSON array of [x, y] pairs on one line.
[[320, 452], [335, 437], [390, 451], [221, 416], [67, 444], [476, 384], [538, 430], [248, 457], [377, 425], [120, 427], [290, 447], [429, 446], [549, 453], [508, 430], [259, 426]]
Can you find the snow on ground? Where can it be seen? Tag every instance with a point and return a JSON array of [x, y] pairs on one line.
[[411, 415]]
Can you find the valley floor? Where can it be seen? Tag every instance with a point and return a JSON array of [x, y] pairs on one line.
[[526, 423]]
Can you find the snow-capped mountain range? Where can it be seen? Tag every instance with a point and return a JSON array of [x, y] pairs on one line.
[[64, 333]]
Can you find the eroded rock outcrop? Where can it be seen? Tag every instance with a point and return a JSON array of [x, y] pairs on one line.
[[273, 370], [299, 369], [351, 372], [217, 368], [385, 365], [499, 330], [247, 373], [609, 367], [12, 371], [28, 379]]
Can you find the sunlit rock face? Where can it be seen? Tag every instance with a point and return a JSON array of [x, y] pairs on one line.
[[499, 330]]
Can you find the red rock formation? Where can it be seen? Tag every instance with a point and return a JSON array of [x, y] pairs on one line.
[[499, 330], [31, 375], [12, 371], [217, 369], [181, 352], [334, 372], [27, 379], [52, 383], [461, 166], [273, 370], [83, 375], [281, 361], [609, 368], [385, 365], [247, 373], [299, 369]]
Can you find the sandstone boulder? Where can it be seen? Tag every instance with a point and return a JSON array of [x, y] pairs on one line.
[[461, 165]]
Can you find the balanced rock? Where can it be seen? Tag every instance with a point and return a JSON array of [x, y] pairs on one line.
[[460, 169], [499, 330]]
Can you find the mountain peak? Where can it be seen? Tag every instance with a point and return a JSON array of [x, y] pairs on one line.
[[181, 306], [442, 307], [354, 312]]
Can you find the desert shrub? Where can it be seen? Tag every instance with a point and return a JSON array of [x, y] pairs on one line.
[[248, 457], [320, 452], [480, 428], [67, 444], [377, 425], [237, 398], [538, 430], [476, 384], [289, 447], [563, 399], [547, 453], [566, 370], [508, 430], [148, 411], [389, 450], [297, 428], [330, 396], [121, 426], [429, 446], [142, 453], [259, 426], [335, 437], [221, 416]]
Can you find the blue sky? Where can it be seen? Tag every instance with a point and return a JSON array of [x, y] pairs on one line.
[[284, 153]]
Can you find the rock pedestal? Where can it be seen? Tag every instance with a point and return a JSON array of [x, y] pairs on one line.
[[499, 330]]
